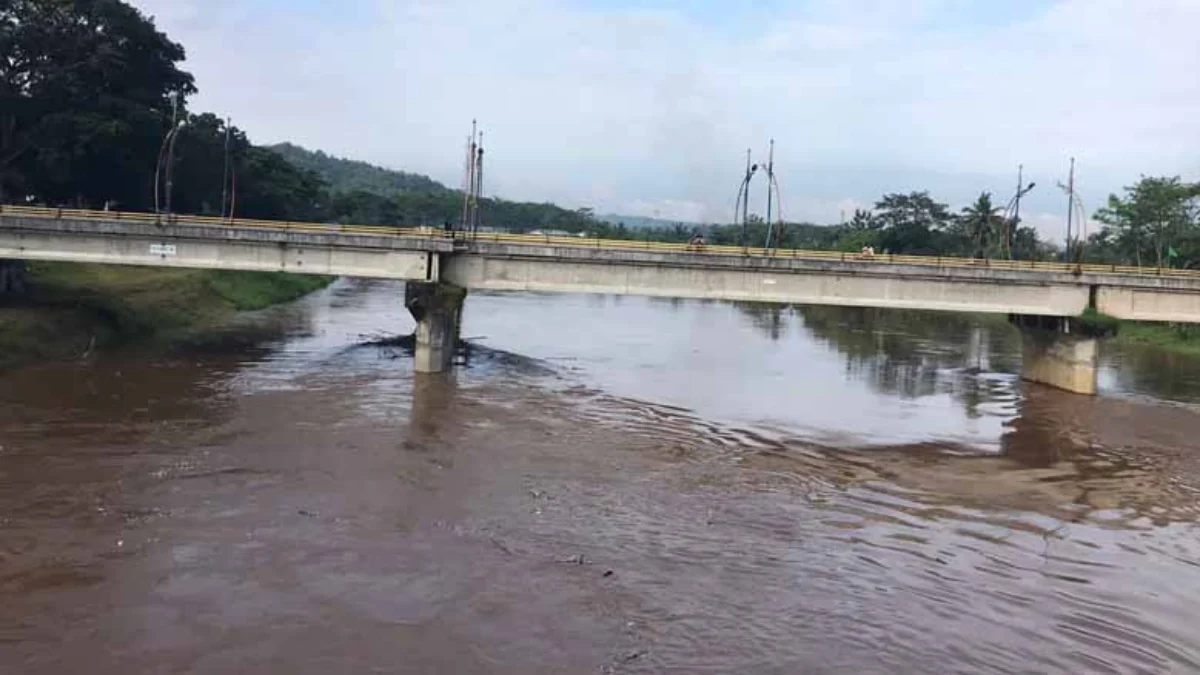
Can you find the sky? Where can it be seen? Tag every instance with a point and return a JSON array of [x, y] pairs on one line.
[[647, 107]]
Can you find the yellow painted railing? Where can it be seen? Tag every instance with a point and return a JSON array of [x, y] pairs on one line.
[[591, 242]]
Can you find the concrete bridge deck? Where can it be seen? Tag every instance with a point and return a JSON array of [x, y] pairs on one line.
[[573, 264], [435, 263], [262, 246]]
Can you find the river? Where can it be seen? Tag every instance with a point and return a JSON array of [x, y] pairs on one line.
[[607, 485]]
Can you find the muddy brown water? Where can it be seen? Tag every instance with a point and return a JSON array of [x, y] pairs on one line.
[[613, 485]]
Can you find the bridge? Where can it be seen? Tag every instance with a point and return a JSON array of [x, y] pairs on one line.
[[439, 268]]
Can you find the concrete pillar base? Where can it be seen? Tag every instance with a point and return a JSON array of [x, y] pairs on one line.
[[437, 309], [1056, 357]]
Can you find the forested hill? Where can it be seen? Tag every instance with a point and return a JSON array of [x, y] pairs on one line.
[[349, 175], [642, 222]]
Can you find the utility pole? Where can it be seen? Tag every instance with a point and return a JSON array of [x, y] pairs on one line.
[[472, 181], [478, 184], [1070, 205], [469, 178], [1015, 221], [170, 167], [746, 198], [170, 170], [770, 190], [771, 174], [225, 171], [232, 192]]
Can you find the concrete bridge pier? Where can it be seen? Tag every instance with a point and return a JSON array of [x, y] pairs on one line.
[[1057, 353], [437, 309]]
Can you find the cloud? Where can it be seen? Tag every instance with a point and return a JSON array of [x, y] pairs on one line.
[[650, 109]]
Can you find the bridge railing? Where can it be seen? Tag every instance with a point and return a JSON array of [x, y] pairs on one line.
[[189, 220], [590, 242]]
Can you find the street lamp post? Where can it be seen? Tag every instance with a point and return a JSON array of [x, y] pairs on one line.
[[743, 201], [1014, 205], [166, 155]]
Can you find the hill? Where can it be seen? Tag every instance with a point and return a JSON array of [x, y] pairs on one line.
[[348, 175], [643, 222]]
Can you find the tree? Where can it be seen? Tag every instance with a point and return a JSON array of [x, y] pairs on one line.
[[912, 223], [85, 95], [980, 228], [864, 220], [1155, 215]]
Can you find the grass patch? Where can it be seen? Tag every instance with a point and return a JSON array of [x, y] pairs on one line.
[[1098, 324], [246, 291], [73, 308], [1175, 337]]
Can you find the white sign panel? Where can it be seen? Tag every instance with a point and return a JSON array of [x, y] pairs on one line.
[[162, 249]]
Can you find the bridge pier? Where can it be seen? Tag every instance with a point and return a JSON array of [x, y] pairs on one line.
[[437, 309], [1056, 353]]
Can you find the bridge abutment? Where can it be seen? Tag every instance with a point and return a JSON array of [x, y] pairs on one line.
[[1056, 353], [437, 309]]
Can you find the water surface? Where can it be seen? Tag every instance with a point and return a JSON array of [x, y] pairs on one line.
[[608, 485]]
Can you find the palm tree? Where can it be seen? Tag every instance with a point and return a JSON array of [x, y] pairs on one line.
[[981, 225]]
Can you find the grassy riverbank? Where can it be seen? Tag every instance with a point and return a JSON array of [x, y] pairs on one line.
[[72, 309], [1178, 338]]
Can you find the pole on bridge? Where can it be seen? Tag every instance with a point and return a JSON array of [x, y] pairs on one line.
[[746, 199], [742, 206], [468, 179], [770, 174], [472, 182], [225, 171], [478, 187], [1070, 205]]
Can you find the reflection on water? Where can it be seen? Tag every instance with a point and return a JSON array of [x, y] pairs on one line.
[[1154, 373], [610, 486]]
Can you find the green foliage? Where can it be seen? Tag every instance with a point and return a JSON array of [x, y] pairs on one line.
[[85, 87], [1098, 324], [1155, 216], [913, 223], [1174, 337], [980, 229], [75, 308], [246, 291], [264, 186], [348, 176]]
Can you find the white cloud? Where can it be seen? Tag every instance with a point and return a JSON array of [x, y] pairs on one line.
[[651, 110]]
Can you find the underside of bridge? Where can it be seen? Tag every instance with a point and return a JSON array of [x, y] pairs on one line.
[[1056, 352], [440, 270]]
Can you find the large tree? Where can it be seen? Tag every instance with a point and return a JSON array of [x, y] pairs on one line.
[[1153, 219], [912, 223], [979, 229], [86, 90]]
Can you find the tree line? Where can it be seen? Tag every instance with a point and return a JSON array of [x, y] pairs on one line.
[[90, 91]]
